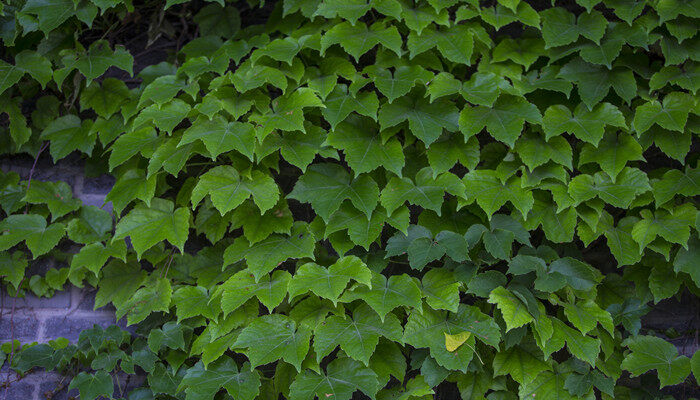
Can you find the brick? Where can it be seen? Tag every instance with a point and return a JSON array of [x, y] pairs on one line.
[[61, 299], [96, 200], [55, 389], [70, 326], [18, 390], [100, 185], [26, 327]]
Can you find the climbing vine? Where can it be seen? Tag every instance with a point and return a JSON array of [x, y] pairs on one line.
[[385, 199]]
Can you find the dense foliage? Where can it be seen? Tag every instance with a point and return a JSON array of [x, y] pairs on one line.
[[400, 199]]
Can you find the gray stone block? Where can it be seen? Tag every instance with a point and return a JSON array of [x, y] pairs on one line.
[[100, 185], [55, 389], [19, 390], [26, 326], [61, 299], [70, 327]]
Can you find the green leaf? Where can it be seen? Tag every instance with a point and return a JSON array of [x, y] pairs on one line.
[[672, 114], [264, 256], [68, 134], [155, 296], [429, 328], [620, 193], [586, 125], [270, 290], [273, 337], [95, 61], [203, 382], [51, 13], [340, 103], [58, 196], [425, 120], [504, 120], [329, 283], [491, 193], [359, 39], [147, 226], [425, 191], [357, 336], [594, 81], [384, 295], [326, 186], [364, 148], [455, 43], [228, 189], [342, 378], [32, 229], [650, 352], [191, 301], [441, 289], [400, 82], [673, 226], [220, 136], [93, 386], [257, 227], [560, 27], [521, 362], [613, 153]]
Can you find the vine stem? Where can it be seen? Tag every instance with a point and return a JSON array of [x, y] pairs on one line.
[[12, 336], [31, 172]]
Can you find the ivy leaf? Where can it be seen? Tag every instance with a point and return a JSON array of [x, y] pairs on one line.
[[675, 182], [384, 294], [147, 226], [257, 227], [586, 125], [594, 81], [58, 196], [521, 362], [673, 226], [32, 229], [491, 194], [400, 82], [425, 120], [326, 186], [560, 27], [67, 134], [482, 88], [357, 336], [50, 13], [586, 315], [264, 256], [547, 384], [273, 337], [359, 38], [619, 193], [105, 97], [515, 312], [191, 301], [425, 192], [228, 189], [504, 121], [95, 61], [340, 103], [672, 114], [270, 290], [300, 149], [329, 283], [429, 328], [535, 151], [203, 382], [650, 352], [455, 43], [364, 148], [441, 289], [613, 153], [155, 296], [342, 378], [220, 136], [92, 386], [444, 154]]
